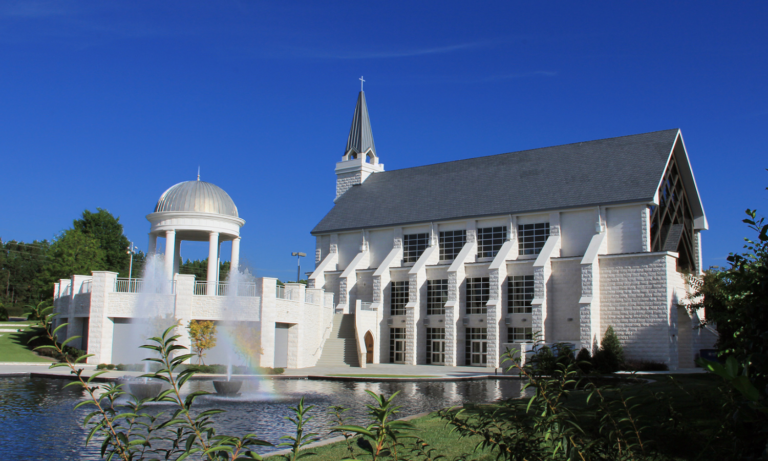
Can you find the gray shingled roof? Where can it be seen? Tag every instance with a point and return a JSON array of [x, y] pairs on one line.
[[360, 134], [614, 170]]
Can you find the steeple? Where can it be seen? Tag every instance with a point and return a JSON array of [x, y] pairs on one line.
[[360, 139], [360, 159]]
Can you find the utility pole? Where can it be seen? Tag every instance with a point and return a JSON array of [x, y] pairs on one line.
[[298, 255]]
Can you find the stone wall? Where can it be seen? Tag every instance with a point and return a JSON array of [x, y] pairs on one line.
[[636, 298]]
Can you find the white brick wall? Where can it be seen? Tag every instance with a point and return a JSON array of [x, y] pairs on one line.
[[635, 295], [564, 294]]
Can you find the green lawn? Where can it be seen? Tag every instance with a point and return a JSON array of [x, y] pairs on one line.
[[13, 345], [387, 376], [433, 430]]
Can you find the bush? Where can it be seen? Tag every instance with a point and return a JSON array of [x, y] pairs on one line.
[[610, 357], [644, 365], [3, 313], [584, 360], [105, 366]]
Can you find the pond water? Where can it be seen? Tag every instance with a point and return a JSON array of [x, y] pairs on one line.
[[39, 423]]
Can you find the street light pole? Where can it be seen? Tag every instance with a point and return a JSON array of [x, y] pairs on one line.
[[298, 255], [131, 251]]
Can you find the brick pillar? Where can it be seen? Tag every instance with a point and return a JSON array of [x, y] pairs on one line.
[[101, 327]]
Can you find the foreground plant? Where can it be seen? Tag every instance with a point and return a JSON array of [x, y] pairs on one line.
[[383, 434], [130, 433]]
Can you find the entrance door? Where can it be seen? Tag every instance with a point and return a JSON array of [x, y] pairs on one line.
[[281, 345], [399, 351], [479, 353], [438, 352], [368, 347]]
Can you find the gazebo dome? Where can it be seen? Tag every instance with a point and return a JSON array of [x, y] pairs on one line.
[[197, 196]]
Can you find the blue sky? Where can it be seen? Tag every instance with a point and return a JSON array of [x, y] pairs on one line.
[[107, 104]]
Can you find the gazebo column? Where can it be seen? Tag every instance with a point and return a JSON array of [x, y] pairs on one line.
[[213, 258], [176, 257], [152, 244], [170, 245], [234, 262]]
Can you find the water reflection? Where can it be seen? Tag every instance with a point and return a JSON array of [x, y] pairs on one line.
[[40, 423]]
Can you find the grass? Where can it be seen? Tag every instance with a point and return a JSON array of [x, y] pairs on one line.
[[13, 345], [701, 418], [386, 376]]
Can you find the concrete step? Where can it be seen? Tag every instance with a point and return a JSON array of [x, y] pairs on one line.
[[340, 349]]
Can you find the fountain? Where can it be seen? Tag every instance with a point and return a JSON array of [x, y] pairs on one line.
[[228, 388]]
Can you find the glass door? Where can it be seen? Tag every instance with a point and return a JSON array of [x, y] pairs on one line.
[[399, 351], [438, 352], [479, 353]]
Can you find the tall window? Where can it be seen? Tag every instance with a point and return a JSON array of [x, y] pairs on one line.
[[519, 294], [437, 296], [435, 346], [672, 220], [532, 237], [478, 289], [413, 246], [520, 335], [451, 243], [490, 240], [398, 298], [397, 345]]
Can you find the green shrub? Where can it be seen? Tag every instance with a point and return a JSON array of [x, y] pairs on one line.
[[644, 365], [3, 313], [584, 360], [610, 357]]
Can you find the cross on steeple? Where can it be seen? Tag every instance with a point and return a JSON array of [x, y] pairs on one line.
[[361, 83]]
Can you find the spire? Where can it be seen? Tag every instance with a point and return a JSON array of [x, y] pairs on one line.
[[360, 135], [198, 172]]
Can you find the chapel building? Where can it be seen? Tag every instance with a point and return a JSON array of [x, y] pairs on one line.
[[453, 263]]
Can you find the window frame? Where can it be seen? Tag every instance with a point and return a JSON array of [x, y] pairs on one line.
[[449, 242], [525, 332], [478, 294], [399, 294], [437, 306], [414, 245], [519, 301], [532, 237], [490, 240]]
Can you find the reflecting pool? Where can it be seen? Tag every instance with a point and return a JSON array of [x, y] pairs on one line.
[[38, 421]]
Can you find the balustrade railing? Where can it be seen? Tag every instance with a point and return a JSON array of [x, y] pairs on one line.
[[309, 298], [225, 289], [125, 285], [86, 287], [280, 292], [366, 307]]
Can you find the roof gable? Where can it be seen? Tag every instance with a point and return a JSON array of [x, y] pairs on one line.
[[613, 170]]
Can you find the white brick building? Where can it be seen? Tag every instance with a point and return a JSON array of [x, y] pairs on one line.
[[450, 263], [446, 264]]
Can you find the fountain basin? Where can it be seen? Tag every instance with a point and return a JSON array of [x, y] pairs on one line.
[[142, 390], [227, 387]]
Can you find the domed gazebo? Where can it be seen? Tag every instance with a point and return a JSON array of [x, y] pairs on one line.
[[195, 211]]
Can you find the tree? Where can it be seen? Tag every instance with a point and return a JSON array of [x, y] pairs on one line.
[[202, 334], [20, 267], [3, 313], [199, 268], [610, 357], [735, 299], [108, 232], [72, 253]]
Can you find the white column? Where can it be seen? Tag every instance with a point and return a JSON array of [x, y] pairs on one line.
[[176, 254], [152, 244], [170, 245], [235, 260], [213, 258]]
